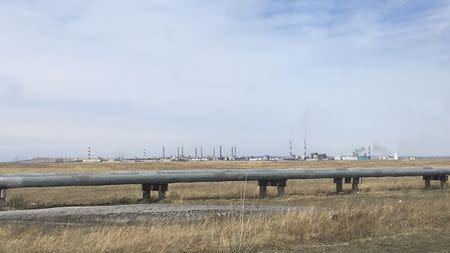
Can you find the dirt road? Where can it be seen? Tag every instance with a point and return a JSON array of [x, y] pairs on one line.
[[136, 213]]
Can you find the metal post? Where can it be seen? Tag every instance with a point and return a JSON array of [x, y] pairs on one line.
[[162, 191], [262, 189], [2, 198], [427, 180], [338, 182], [427, 184], [355, 183], [444, 182], [280, 187], [146, 191], [280, 190]]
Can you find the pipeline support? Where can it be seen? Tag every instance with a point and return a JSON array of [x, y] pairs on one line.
[[2, 198], [280, 184], [338, 182], [160, 188], [355, 184], [443, 179]]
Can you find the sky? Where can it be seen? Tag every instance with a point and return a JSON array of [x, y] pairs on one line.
[[121, 76]]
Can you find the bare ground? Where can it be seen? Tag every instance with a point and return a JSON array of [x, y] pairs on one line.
[[135, 213]]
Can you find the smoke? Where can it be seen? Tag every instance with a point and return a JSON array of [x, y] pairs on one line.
[[379, 148], [359, 150]]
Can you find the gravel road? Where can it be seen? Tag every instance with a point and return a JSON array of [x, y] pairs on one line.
[[136, 213]]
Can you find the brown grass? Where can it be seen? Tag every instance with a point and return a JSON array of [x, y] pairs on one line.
[[297, 191], [250, 234], [384, 207]]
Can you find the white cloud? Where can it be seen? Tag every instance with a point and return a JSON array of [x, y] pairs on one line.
[[109, 74]]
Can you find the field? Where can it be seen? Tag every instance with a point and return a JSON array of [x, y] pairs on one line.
[[386, 214]]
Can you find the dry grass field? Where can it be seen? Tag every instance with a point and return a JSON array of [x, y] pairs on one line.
[[387, 213]]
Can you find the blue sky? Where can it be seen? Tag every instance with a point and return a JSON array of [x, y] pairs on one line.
[[121, 77]]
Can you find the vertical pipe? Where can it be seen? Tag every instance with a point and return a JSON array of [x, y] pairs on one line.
[[280, 190], [355, 183], [2, 198], [262, 189], [146, 191], [338, 182], [161, 194], [162, 188], [444, 182], [427, 184]]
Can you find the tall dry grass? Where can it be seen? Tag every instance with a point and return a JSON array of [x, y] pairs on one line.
[[225, 192], [287, 231]]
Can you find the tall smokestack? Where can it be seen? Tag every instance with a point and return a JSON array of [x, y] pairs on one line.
[[232, 151], [164, 153], [178, 152], [370, 153], [290, 148], [214, 152], [220, 151], [182, 151], [201, 151], [305, 149], [196, 152], [235, 153]]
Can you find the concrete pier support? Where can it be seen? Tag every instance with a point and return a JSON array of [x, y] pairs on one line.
[[427, 183], [146, 191], [160, 188], [444, 182], [338, 182], [2, 198], [355, 184], [280, 184], [280, 191], [442, 179], [262, 189]]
